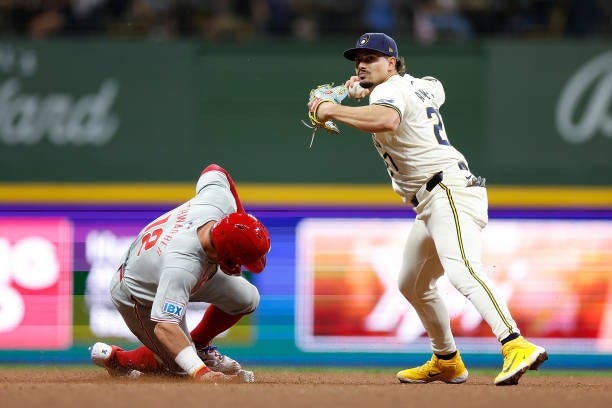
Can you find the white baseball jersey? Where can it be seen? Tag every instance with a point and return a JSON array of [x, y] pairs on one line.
[[166, 264], [446, 235], [419, 148]]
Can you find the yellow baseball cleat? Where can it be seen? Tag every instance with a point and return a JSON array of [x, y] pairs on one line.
[[519, 356], [451, 371]]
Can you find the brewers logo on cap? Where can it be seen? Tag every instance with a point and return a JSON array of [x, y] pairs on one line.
[[379, 42]]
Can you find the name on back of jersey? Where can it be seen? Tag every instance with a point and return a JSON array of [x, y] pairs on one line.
[[179, 224], [423, 94]]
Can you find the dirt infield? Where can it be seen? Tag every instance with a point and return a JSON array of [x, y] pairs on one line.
[[93, 388]]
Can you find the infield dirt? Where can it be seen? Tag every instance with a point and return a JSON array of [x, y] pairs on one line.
[[93, 388]]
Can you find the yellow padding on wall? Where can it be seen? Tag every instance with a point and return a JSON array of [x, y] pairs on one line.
[[534, 196], [289, 194]]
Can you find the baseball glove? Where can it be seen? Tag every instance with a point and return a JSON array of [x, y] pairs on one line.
[[318, 95]]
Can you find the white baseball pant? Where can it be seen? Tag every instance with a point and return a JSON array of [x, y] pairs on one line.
[[447, 238]]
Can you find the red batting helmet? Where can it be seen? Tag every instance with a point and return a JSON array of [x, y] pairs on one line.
[[240, 240]]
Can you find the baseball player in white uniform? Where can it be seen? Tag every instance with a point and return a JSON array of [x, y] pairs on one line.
[[193, 253], [450, 202]]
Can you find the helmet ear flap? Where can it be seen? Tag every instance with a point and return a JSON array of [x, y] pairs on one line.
[[230, 268]]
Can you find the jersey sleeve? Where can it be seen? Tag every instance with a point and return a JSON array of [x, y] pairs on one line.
[[172, 297], [387, 94]]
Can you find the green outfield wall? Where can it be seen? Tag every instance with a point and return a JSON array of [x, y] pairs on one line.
[[536, 113]]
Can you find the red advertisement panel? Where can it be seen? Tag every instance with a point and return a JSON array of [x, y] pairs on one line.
[[555, 275], [35, 283]]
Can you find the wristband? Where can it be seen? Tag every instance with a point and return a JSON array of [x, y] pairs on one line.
[[189, 361], [201, 371]]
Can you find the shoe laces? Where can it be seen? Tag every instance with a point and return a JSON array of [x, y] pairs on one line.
[[211, 350], [430, 366]]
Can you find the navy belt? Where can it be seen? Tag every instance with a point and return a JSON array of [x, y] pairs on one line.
[[434, 181]]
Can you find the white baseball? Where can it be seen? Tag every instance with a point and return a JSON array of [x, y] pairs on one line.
[[355, 90]]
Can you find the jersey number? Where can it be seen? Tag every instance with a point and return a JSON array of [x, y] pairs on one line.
[[389, 163], [152, 234], [438, 127]]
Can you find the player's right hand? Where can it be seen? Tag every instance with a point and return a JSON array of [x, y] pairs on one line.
[[355, 90], [349, 82]]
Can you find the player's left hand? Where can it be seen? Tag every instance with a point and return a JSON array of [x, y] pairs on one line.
[[319, 95]]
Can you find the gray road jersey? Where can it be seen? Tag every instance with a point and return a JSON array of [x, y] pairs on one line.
[[166, 263], [419, 148]]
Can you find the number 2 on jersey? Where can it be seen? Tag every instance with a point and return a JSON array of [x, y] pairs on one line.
[[149, 239], [438, 127]]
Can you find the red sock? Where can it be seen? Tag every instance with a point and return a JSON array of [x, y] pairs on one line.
[[141, 359], [214, 322]]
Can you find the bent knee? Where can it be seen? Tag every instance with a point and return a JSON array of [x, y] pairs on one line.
[[407, 289], [246, 303]]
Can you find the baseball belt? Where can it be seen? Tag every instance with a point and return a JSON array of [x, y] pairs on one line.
[[437, 178], [431, 183]]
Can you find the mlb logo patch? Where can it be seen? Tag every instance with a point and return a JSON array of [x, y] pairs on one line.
[[173, 308]]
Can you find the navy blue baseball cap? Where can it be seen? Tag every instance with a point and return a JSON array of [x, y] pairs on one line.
[[379, 42]]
